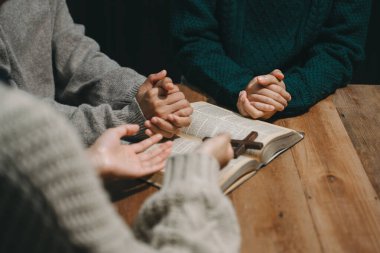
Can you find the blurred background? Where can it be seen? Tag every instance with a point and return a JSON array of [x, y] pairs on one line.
[[135, 33]]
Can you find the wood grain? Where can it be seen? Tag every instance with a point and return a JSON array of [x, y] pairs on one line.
[[359, 108], [343, 204], [316, 197], [273, 212]]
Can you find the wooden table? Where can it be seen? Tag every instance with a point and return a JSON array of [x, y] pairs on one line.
[[320, 196]]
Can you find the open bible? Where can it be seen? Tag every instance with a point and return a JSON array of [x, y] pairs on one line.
[[209, 120]]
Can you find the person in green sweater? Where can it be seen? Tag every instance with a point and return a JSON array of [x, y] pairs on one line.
[[233, 49]]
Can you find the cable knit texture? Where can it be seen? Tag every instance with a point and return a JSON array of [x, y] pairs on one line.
[[52, 201], [221, 45], [44, 53]]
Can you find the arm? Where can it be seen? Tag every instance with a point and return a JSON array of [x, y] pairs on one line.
[[92, 121], [331, 59], [190, 210], [50, 156], [196, 39], [84, 75]]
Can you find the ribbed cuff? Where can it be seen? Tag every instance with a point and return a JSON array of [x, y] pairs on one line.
[[132, 114], [191, 169], [135, 79]]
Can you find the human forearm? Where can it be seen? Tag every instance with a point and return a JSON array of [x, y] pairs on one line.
[[329, 62], [83, 73], [189, 208], [92, 121]]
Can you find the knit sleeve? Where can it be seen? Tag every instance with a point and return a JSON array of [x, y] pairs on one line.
[[91, 121], [331, 59], [42, 147], [200, 52], [190, 210], [84, 75]]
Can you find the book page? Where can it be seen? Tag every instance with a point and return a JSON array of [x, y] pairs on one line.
[[186, 144], [209, 120]]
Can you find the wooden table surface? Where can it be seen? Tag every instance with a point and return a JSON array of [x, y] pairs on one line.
[[320, 196]]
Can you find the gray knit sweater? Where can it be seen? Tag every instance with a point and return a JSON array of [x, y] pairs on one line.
[[52, 201], [44, 53]]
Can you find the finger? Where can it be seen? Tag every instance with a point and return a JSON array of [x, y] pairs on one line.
[[273, 95], [149, 132], [265, 99], [153, 78], [174, 97], [263, 107], [240, 104], [123, 130], [252, 83], [179, 121], [154, 129], [179, 105], [166, 84], [280, 90], [150, 169], [165, 125], [163, 148], [154, 160], [185, 112], [145, 144], [278, 74], [251, 110], [267, 80], [174, 89]]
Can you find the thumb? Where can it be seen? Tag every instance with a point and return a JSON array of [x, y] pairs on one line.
[[278, 74], [157, 76], [125, 130]]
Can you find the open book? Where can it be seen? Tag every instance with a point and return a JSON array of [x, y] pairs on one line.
[[209, 120]]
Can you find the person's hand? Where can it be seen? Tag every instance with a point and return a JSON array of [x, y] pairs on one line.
[[218, 147], [266, 95], [164, 106], [113, 159]]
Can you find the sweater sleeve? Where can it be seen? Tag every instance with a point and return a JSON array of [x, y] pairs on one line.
[[200, 52], [84, 75], [92, 121], [189, 208], [42, 146], [331, 59]]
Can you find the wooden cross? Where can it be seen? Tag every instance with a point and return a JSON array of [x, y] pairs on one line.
[[240, 146]]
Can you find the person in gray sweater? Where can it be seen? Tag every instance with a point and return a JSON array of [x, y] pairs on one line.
[[44, 53], [51, 199]]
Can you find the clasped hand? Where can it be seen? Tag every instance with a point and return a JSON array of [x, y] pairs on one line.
[[264, 96], [164, 106]]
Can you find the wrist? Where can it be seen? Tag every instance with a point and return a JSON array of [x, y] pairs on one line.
[[97, 160]]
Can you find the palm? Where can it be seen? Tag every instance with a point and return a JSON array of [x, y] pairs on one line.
[[119, 160]]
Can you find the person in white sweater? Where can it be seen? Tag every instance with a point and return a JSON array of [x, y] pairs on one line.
[[51, 199]]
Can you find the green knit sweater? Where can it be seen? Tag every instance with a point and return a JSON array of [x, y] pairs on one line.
[[221, 45]]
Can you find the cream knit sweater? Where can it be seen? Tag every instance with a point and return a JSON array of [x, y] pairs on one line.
[[52, 201]]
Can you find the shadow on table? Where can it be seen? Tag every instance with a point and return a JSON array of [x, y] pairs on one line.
[[122, 189]]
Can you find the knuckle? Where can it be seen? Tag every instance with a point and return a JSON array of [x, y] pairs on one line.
[[181, 95], [151, 93], [157, 104]]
